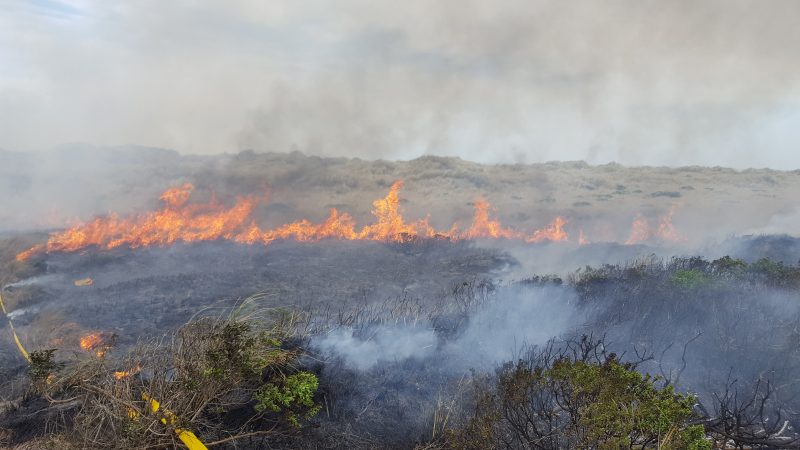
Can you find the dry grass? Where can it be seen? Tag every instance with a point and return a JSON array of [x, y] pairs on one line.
[[204, 377]]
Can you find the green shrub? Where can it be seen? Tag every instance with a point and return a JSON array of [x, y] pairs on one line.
[[568, 402], [292, 395], [43, 365], [617, 406], [689, 279]]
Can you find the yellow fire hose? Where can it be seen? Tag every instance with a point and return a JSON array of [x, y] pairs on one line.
[[188, 438], [168, 418], [22, 350]]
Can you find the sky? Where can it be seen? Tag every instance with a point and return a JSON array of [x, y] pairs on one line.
[[638, 82]]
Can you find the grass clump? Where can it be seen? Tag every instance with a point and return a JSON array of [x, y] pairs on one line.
[[221, 378]]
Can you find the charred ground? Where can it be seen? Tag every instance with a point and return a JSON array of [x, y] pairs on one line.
[[409, 341]]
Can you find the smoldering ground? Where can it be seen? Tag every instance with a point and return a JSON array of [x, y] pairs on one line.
[[725, 331], [513, 318], [397, 331]]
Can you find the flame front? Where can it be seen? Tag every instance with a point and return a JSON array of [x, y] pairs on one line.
[[175, 221], [178, 220]]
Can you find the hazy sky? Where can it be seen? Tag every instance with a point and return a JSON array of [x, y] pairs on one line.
[[635, 81]]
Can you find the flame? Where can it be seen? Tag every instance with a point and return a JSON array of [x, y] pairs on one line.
[[553, 232], [484, 227], [666, 230], [178, 220], [641, 230], [96, 343], [83, 282], [582, 240], [175, 221], [127, 373], [389, 222]]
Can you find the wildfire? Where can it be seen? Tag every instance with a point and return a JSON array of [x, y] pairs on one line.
[[554, 232], [641, 230], [484, 227], [178, 220], [95, 343], [119, 375], [175, 221]]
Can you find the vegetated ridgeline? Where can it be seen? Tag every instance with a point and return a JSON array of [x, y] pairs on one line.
[[722, 330]]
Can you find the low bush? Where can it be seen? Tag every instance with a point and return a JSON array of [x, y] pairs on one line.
[[221, 379]]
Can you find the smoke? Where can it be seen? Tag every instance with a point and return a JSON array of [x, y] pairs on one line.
[[520, 317], [515, 318], [671, 83], [384, 345]]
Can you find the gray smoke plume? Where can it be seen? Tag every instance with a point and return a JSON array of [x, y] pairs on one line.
[[640, 82], [386, 344]]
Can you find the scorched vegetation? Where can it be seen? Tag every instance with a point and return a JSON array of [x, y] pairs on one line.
[[685, 353]]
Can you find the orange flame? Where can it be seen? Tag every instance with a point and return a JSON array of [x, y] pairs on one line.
[[95, 342], [641, 230], [128, 373], [178, 220], [484, 227], [554, 232], [390, 223], [666, 230]]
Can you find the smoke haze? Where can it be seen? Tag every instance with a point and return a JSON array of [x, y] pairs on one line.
[[516, 318], [638, 82]]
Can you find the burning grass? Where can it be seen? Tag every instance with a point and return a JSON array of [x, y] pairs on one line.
[[181, 221]]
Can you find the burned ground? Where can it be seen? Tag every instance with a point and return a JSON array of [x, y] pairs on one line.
[[152, 291], [401, 335]]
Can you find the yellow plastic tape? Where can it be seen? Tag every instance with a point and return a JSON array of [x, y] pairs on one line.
[[188, 438], [22, 350]]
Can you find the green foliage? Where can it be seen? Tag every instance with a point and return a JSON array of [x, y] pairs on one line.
[[617, 406], [728, 265], [230, 351], [776, 273], [235, 351], [569, 403], [768, 267], [43, 365], [690, 279], [292, 395], [693, 438]]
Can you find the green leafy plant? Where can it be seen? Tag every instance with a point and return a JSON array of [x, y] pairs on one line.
[[293, 395]]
